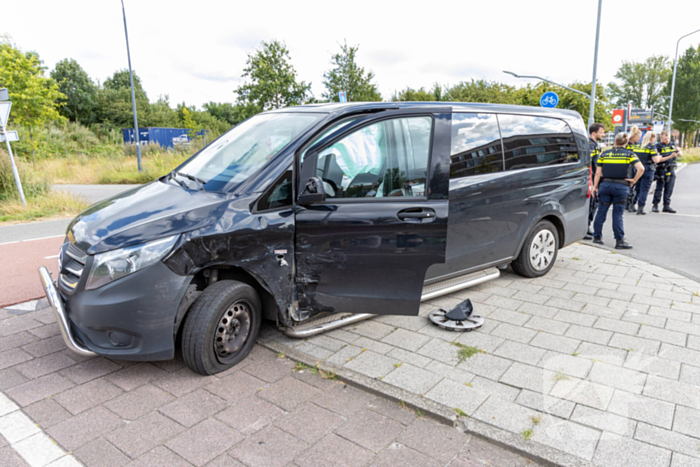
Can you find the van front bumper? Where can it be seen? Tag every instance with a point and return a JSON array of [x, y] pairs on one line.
[[132, 318]]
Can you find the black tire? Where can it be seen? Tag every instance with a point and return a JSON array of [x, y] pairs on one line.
[[208, 345], [539, 252]]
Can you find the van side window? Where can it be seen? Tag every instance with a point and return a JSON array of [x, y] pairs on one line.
[[384, 159], [476, 145], [536, 141], [278, 195]]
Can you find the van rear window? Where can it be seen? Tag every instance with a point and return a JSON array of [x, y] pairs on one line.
[[476, 145], [536, 141]]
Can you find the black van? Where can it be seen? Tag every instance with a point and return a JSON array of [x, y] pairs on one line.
[[318, 216]]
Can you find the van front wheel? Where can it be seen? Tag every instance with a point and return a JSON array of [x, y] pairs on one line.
[[539, 251], [221, 328]]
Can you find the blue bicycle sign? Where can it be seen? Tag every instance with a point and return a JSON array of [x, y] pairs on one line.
[[549, 99]]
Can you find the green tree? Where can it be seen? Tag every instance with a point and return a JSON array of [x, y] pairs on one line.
[[686, 98], [346, 75], [80, 102], [272, 81], [482, 91], [160, 114], [33, 95], [436, 94], [642, 83], [114, 101], [223, 111]]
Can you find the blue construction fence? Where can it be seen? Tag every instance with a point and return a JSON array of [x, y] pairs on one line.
[[165, 137]]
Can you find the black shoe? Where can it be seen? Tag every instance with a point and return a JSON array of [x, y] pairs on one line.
[[599, 241], [588, 237], [655, 208], [622, 245], [640, 212], [669, 209]]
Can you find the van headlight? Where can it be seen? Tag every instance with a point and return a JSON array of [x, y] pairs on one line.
[[112, 265]]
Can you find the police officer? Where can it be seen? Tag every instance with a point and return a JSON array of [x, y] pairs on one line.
[[612, 186], [665, 172], [634, 146], [596, 133], [648, 157]]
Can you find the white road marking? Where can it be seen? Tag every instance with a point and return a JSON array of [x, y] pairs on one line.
[[51, 257], [28, 440], [32, 239]]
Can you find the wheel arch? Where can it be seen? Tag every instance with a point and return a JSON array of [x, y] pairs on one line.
[[555, 218]]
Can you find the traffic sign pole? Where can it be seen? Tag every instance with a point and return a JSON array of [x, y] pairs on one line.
[[591, 115], [15, 172]]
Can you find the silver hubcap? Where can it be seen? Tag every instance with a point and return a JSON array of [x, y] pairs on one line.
[[233, 330], [542, 250]]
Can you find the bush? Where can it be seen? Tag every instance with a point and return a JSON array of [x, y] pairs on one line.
[[33, 184]]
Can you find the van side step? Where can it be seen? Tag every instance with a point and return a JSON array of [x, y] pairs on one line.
[[336, 320]]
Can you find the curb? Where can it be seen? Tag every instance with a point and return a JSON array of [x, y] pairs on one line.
[[532, 450]]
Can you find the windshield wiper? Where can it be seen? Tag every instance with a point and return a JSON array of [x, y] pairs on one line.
[[200, 183], [171, 176]]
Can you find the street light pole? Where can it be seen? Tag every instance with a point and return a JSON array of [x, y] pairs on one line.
[[673, 83], [133, 97], [549, 81], [591, 115]]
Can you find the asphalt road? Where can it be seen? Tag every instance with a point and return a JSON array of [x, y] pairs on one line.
[[668, 240]]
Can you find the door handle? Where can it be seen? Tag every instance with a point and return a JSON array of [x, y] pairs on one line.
[[416, 213]]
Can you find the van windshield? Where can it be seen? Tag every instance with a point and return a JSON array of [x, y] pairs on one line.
[[238, 154]]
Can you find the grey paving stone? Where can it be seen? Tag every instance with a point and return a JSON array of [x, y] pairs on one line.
[[481, 340], [18, 340], [520, 352], [616, 377], [642, 408], [450, 372], [288, 393], [506, 415], [604, 421], [564, 304], [135, 375], [653, 365], [412, 323], [372, 329], [87, 396], [618, 451], [251, 415], [42, 347], [440, 350], [643, 318], [393, 410], [47, 413], [100, 453], [236, 386], [583, 392], [669, 313], [372, 364], [11, 458], [159, 457], [194, 407], [579, 440], [409, 357], [398, 455], [17, 324], [225, 460], [585, 333], [342, 335], [567, 364], [343, 399], [638, 344], [411, 378], [663, 335], [529, 377], [314, 351], [687, 421], [46, 331], [270, 370], [89, 370], [690, 374], [680, 460], [204, 442], [44, 365], [616, 325], [342, 356], [672, 440], [574, 317], [183, 381], [515, 333], [370, 430], [693, 342], [13, 357], [408, 340], [557, 343], [672, 391], [542, 311], [602, 311], [81, 429], [539, 323], [309, 422], [530, 297], [433, 439], [432, 330], [144, 434], [337, 451], [508, 316], [680, 354], [593, 301], [616, 294], [137, 403], [375, 346], [457, 396], [495, 389], [544, 403], [38, 389], [327, 342], [486, 365]]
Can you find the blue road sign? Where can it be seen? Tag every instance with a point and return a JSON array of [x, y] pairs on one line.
[[549, 99], [342, 97]]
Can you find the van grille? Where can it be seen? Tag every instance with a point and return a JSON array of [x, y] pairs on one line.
[[74, 260]]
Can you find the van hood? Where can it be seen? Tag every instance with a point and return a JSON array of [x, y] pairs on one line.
[[145, 213]]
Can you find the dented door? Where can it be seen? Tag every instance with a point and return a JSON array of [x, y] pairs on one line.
[[366, 248]]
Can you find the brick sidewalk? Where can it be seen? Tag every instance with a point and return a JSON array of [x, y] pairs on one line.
[[261, 413], [598, 360]]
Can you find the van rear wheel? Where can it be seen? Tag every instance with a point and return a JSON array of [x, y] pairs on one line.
[[221, 328], [539, 251]]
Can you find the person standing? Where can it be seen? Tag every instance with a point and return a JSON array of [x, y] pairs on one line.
[[634, 146], [596, 133], [648, 157], [665, 172], [612, 184]]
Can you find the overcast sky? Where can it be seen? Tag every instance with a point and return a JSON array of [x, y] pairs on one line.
[[195, 51]]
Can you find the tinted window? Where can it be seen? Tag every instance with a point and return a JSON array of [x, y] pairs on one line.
[[278, 195], [476, 145], [388, 158], [536, 141]]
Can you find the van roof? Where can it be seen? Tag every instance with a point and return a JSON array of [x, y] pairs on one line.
[[352, 107]]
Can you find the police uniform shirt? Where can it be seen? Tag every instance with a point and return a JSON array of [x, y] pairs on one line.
[[665, 150], [645, 154], [595, 153], [615, 163]]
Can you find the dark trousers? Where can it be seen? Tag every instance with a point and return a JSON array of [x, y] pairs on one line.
[[615, 195], [641, 189], [664, 184]]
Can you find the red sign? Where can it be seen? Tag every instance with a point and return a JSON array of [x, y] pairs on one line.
[[618, 116]]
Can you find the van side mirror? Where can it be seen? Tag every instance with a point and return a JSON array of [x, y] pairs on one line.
[[313, 192]]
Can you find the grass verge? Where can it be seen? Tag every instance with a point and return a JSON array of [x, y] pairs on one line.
[[690, 156], [49, 204]]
